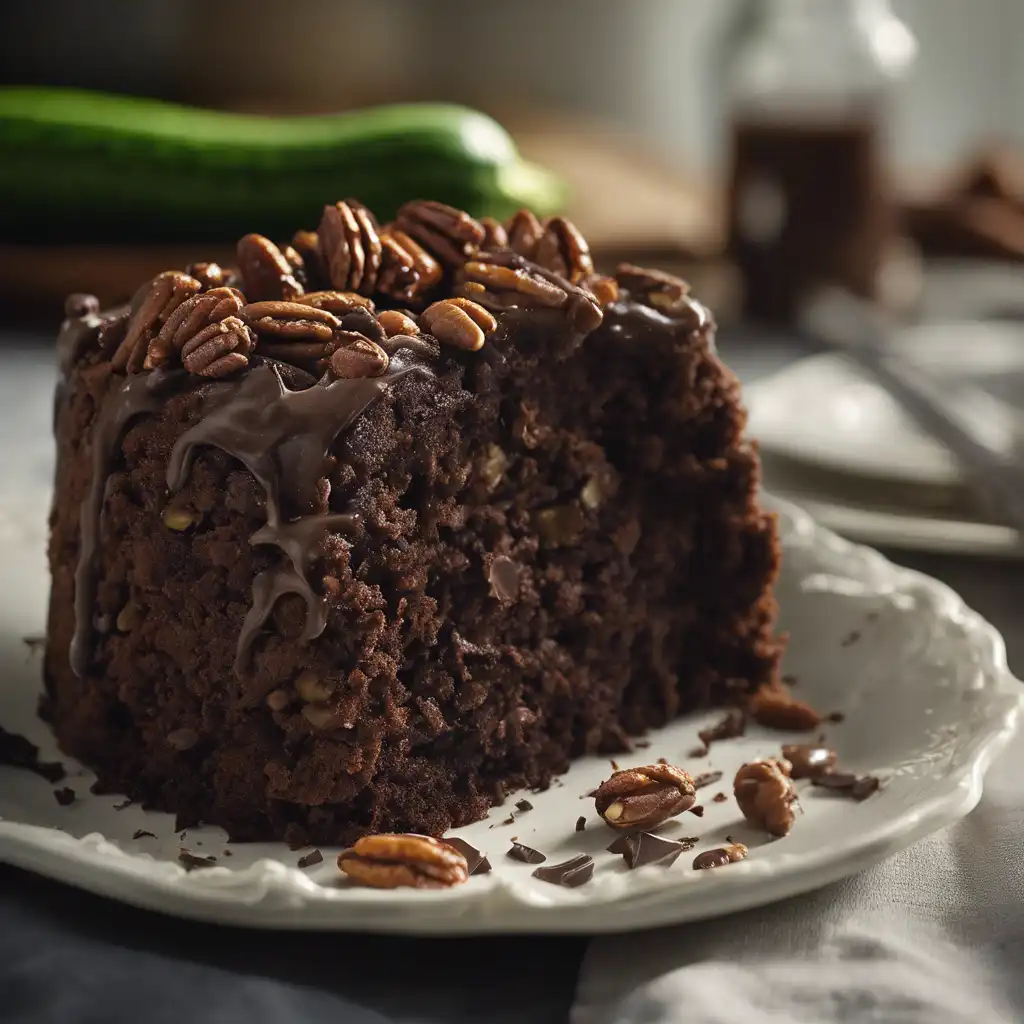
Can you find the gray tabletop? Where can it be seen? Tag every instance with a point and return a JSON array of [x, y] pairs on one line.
[[69, 957]]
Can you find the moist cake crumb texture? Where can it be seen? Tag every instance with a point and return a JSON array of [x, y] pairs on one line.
[[364, 536]]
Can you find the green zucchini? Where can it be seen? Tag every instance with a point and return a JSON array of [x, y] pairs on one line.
[[84, 166]]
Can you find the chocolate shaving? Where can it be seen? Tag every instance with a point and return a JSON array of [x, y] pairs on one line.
[[706, 779], [476, 862], [190, 862], [641, 849], [141, 833], [581, 823], [18, 752], [526, 854], [64, 796], [698, 810], [571, 873], [311, 858], [846, 783], [732, 725]]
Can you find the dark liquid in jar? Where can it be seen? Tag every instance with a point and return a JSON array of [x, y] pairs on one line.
[[807, 206]]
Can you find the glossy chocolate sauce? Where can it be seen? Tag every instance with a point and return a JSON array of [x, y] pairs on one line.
[[283, 438]]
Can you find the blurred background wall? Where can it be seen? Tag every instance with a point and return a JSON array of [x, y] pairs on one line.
[[653, 67]]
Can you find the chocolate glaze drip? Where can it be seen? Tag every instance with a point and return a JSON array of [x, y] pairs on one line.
[[133, 397], [283, 438], [75, 334]]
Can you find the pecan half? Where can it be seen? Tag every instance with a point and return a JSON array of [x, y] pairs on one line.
[[664, 292], [357, 356], [644, 797], [350, 245], [292, 332], [209, 275], [524, 232], [338, 303], [219, 349], [765, 794], [774, 707], [391, 861], [166, 292], [458, 322], [408, 271], [495, 236], [451, 235], [605, 289], [306, 245], [266, 274], [501, 287], [396, 322], [192, 316], [564, 250]]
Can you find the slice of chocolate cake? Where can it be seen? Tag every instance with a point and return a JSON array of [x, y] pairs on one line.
[[391, 521]]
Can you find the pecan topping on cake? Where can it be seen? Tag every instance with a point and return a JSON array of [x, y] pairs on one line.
[[166, 292], [350, 245], [394, 861], [564, 250], [219, 349], [266, 273], [524, 232], [451, 235], [458, 322], [191, 318], [357, 356], [408, 271]]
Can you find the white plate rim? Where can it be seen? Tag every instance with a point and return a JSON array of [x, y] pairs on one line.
[[270, 894]]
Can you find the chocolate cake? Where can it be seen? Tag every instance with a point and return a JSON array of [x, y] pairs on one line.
[[391, 521]]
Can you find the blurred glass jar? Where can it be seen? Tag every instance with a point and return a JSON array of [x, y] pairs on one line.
[[810, 97]]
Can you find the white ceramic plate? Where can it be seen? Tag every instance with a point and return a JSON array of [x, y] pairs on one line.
[[922, 681], [825, 411]]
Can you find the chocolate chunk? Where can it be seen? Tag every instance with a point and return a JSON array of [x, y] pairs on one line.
[[836, 780], [64, 796], [835, 716], [570, 873], [476, 862], [711, 859], [141, 833], [697, 809], [581, 823], [524, 805], [728, 728], [808, 760], [644, 848], [851, 638], [229, 853], [706, 779], [18, 752], [311, 858], [190, 862], [719, 798], [620, 844], [526, 854], [698, 752], [864, 787], [510, 820]]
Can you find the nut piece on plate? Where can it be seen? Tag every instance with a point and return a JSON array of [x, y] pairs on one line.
[[765, 794], [719, 857], [644, 797], [391, 861], [809, 760], [774, 707]]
